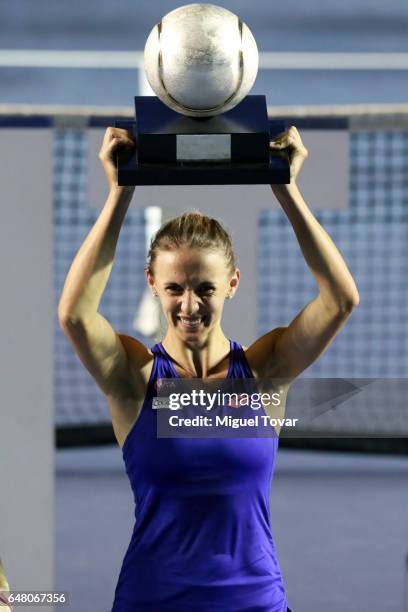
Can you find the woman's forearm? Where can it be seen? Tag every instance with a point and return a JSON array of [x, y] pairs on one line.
[[328, 267], [92, 265]]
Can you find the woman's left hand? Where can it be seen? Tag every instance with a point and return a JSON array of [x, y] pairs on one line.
[[297, 151]]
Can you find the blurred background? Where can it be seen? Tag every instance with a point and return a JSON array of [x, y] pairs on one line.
[[360, 26], [338, 509]]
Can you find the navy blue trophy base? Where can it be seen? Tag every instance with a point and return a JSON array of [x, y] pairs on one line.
[[158, 131]]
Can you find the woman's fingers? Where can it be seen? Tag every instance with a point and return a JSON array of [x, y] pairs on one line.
[[114, 132], [291, 132], [118, 135], [278, 137], [291, 140], [277, 145], [114, 138]]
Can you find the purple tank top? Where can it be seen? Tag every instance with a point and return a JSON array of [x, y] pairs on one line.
[[202, 540]]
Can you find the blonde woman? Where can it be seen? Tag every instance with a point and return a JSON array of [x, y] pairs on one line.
[[202, 538]]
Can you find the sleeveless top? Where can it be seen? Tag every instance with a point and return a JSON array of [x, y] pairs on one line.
[[202, 540]]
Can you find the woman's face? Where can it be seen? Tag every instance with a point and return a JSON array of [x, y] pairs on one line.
[[192, 285]]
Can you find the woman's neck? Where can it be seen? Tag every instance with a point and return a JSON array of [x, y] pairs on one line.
[[198, 360]]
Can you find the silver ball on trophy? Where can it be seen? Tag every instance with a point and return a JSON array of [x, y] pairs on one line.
[[201, 60], [201, 127]]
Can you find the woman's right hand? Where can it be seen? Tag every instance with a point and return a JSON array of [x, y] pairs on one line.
[[115, 139]]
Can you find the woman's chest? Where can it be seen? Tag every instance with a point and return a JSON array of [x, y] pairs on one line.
[[206, 464]]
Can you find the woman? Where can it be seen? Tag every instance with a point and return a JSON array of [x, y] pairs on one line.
[[202, 539]]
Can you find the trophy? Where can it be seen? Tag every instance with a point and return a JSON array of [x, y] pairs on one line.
[[202, 128]]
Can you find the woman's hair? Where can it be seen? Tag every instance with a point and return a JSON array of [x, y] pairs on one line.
[[194, 230]]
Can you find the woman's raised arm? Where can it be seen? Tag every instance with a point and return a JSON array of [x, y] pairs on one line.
[[292, 349], [97, 344]]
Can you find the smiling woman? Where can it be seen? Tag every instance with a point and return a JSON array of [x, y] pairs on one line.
[[191, 269], [203, 537]]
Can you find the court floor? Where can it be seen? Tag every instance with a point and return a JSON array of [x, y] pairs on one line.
[[339, 524]]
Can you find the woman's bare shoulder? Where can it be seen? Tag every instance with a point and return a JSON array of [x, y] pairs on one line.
[[140, 356], [260, 355], [135, 349]]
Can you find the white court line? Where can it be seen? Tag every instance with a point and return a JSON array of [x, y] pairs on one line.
[[334, 61], [27, 58], [58, 110]]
